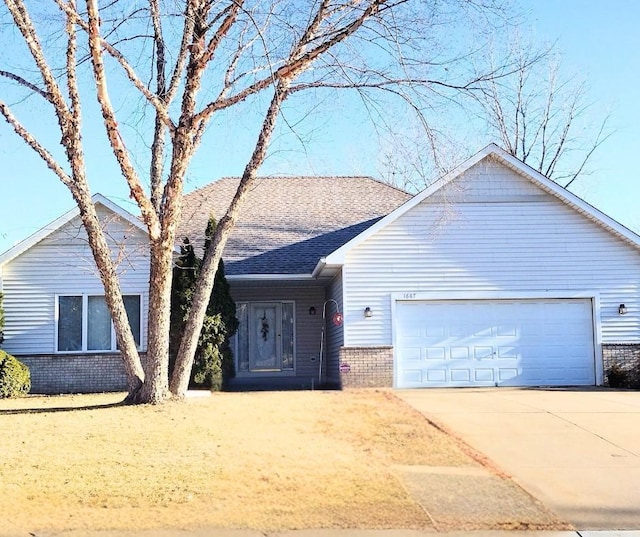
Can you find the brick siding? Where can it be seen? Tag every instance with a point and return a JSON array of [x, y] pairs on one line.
[[362, 367], [84, 373]]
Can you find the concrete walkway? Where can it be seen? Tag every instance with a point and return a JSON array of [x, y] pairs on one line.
[[576, 450], [333, 533]]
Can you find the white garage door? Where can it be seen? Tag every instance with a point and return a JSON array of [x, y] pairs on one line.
[[494, 343]]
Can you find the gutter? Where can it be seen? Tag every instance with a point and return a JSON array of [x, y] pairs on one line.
[[319, 266], [268, 277]]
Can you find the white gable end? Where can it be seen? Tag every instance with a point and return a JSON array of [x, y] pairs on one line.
[[61, 263], [488, 181], [490, 232]]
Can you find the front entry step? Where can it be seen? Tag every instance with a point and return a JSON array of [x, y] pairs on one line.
[[244, 384]]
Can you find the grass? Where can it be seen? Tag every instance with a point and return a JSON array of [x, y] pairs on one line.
[[270, 461]]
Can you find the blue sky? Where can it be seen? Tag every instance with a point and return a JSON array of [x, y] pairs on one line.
[[599, 40]]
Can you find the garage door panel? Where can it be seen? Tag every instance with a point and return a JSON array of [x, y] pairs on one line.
[[511, 343], [412, 376], [435, 330], [436, 353], [506, 375], [484, 375], [459, 330], [506, 330], [482, 330], [460, 353], [412, 331], [483, 353], [412, 354], [436, 375], [461, 375], [507, 353]]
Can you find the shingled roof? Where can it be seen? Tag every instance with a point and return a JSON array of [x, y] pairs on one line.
[[288, 223]]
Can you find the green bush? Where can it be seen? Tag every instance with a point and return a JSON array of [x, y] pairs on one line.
[[213, 363], [15, 379]]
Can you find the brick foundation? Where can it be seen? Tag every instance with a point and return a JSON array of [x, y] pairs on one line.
[[84, 373], [366, 367], [626, 357]]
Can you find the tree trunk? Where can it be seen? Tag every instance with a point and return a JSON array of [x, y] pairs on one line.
[[156, 363], [204, 287], [113, 295]]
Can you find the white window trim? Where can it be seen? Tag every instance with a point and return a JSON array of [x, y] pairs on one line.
[[85, 316]]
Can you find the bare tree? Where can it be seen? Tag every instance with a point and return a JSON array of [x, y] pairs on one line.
[[184, 63], [538, 115]]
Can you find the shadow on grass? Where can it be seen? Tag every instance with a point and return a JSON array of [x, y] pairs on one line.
[[53, 410]]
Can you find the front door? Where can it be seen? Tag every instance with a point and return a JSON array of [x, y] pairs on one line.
[[266, 341], [264, 337]]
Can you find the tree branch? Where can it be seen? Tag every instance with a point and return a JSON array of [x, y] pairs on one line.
[[24, 82], [111, 125]]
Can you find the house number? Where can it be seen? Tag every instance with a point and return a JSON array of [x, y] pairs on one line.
[[409, 295]]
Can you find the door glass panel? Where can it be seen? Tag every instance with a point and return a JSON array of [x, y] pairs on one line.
[[287, 336], [98, 324], [264, 337], [70, 323], [242, 350]]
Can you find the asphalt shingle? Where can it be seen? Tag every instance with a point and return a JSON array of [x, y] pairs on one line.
[[288, 223]]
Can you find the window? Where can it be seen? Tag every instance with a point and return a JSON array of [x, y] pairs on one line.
[[84, 323]]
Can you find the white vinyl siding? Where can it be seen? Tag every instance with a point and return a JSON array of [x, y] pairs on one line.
[[335, 334], [494, 233], [62, 264]]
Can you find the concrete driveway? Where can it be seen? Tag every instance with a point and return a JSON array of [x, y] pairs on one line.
[[576, 450]]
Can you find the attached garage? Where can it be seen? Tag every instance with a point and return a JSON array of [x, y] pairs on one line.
[[533, 342], [492, 276]]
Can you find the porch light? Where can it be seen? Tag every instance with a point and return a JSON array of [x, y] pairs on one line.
[[622, 309], [312, 310], [367, 312]]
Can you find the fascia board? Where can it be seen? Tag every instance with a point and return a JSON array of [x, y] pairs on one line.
[[269, 277]]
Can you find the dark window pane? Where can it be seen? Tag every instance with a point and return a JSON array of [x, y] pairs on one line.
[[242, 313], [287, 336], [132, 305], [70, 323], [98, 324]]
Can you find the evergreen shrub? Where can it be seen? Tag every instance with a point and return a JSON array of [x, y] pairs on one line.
[[15, 379]]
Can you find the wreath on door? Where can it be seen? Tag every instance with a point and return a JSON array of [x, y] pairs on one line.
[[264, 330]]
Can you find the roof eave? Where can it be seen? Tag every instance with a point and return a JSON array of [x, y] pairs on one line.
[[268, 277]]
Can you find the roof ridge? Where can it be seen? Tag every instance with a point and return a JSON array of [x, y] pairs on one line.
[[284, 176]]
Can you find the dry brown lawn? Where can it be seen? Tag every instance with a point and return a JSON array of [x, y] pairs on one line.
[[271, 460]]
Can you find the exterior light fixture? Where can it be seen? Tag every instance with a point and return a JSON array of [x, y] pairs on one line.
[[368, 312], [622, 309], [312, 310]]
